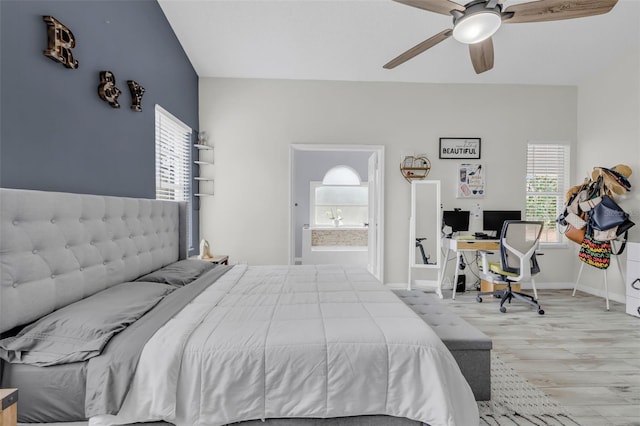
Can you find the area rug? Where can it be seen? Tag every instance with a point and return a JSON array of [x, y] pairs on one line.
[[514, 401]]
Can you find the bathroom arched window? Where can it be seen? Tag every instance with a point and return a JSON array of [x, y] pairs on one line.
[[341, 175]]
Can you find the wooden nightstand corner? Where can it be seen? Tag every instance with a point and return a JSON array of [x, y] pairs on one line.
[[221, 259], [9, 414]]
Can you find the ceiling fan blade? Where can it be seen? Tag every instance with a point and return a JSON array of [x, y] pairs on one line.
[[418, 49], [438, 6], [482, 55], [553, 10]]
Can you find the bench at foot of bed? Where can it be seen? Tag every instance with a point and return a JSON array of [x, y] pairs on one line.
[[470, 347]]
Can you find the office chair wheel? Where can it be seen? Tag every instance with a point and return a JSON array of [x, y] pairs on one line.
[[478, 299], [503, 309], [541, 311]]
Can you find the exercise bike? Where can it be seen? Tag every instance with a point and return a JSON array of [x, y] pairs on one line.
[[425, 258]]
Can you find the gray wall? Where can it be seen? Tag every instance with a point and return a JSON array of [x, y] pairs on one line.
[[56, 133]]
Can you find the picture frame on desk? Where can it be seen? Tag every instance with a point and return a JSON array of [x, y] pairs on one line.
[[459, 148]]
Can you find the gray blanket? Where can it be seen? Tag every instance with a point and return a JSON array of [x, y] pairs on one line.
[[109, 375]]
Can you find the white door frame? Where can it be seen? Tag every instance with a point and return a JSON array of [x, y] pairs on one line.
[[379, 149]]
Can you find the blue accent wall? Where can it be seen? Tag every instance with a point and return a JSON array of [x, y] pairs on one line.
[[56, 133]]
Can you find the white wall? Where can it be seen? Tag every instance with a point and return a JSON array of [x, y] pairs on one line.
[[609, 134], [253, 122]]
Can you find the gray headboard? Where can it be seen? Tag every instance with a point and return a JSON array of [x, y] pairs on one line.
[[57, 248]]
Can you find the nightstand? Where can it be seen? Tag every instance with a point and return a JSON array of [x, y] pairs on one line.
[[221, 259], [9, 413]]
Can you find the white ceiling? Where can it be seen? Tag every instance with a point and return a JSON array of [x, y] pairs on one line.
[[351, 40]]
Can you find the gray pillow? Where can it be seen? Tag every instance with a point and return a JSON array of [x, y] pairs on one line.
[[79, 331], [179, 273]]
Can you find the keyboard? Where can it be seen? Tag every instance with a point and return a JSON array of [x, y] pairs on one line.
[[482, 236], [465, 237]]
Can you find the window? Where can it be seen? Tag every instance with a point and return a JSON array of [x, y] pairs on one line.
[[547, 183], [173, 162], [348, 204]]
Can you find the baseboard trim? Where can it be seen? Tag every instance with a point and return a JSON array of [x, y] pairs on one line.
[[559, 285], [416, 286], [539, 285], [600, 293]]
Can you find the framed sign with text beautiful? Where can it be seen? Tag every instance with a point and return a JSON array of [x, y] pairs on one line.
[[459, 148]]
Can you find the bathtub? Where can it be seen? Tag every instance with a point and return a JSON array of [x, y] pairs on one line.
[[342, 245]]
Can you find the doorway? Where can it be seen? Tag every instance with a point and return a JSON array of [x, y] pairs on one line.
[[308, 163]]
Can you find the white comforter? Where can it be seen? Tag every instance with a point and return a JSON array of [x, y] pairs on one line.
[[302, 341]]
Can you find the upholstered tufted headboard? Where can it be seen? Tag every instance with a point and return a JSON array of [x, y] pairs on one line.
[[57, 248]]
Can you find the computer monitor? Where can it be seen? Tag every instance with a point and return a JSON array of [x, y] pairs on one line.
[[493, 220], [458, 220]]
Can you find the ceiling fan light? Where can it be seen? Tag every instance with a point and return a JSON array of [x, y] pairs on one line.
[[474, 28]]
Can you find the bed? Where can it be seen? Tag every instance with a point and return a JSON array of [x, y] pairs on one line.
[[134, 332]]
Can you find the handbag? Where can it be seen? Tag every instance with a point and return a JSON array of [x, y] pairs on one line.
[[577, 221], [607, 235], [594, 252], [607, 214], [622, 246], [575, 234], [573, 218], [624, 227], [571, 213], [613, 233]]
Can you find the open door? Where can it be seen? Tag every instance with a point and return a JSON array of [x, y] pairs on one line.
[[373, 181], [299, 196]]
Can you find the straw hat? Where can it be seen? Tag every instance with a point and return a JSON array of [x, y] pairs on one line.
[[623, 169], [615, 178], [571, 191]]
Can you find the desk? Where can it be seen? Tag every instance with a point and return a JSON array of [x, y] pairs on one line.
[[460, 246]]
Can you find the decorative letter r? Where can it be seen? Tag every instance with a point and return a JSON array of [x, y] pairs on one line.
[[61, 41]]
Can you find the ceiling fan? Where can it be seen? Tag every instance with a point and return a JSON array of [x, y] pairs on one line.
[[475, 22]]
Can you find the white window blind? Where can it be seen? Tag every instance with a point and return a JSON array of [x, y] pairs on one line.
[[547, 183], [173, 161]]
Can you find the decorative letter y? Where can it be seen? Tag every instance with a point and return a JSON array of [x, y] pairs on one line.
[[136, 95]]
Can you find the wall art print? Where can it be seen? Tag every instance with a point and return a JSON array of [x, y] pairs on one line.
[[459, 148], [470, 181]]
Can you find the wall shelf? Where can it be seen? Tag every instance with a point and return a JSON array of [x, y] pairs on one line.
[[201, 146], [205, 158], [415, 168]]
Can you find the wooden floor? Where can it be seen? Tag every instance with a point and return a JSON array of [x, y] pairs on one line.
[[585, 357]]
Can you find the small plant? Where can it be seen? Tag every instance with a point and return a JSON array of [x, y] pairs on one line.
[[335, 217]]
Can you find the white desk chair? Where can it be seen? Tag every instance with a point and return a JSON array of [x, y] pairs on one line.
[[518, 242]]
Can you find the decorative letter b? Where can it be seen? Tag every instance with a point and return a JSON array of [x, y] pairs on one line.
[[61, 41]]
